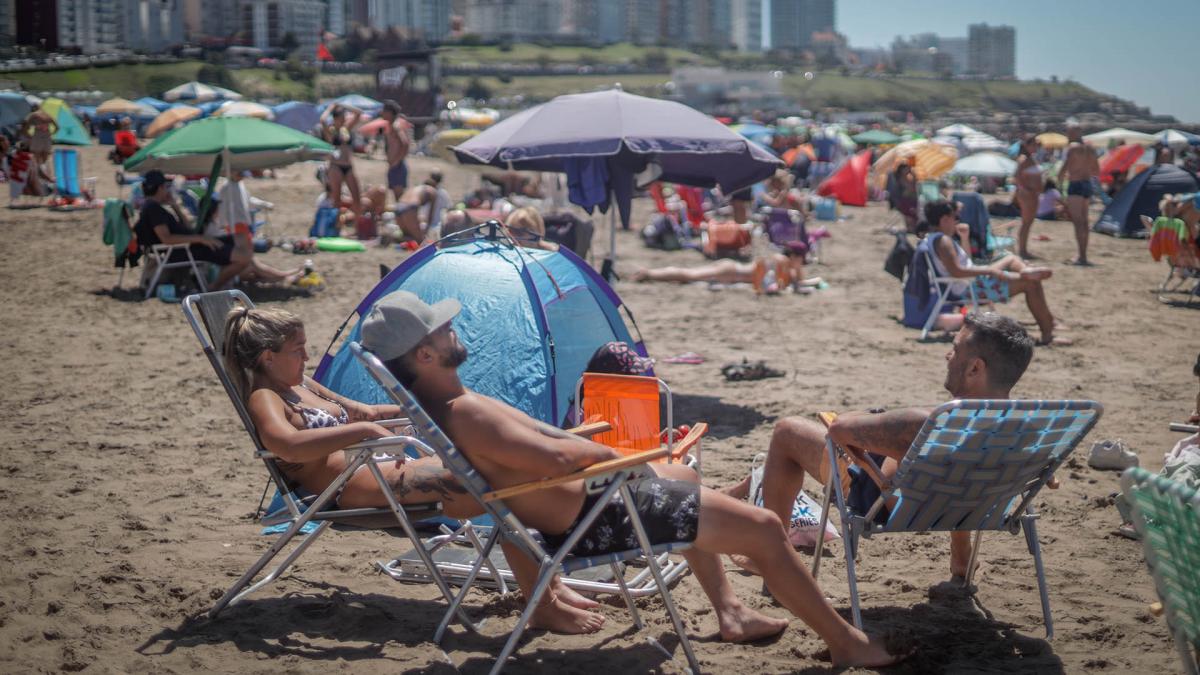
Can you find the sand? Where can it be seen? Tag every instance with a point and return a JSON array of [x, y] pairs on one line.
[[129, 486]]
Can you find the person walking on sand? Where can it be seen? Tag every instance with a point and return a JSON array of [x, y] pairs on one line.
[[41, 142], [1080, 167], [396, 143]]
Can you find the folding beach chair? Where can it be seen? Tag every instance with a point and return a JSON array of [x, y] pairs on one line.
[[975, 465], [158, 260], [206, 314], [1174, 241], [606, 478], [630, 404], [1166, 514], [944, 287], [69, 195]]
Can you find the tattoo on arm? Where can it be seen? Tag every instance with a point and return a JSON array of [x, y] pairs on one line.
[[890, 433], [428, 480]]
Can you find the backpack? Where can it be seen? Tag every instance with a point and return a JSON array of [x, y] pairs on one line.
[[899, 257], [725, 239]]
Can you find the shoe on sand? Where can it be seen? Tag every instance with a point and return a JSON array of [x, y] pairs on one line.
[[1111, 454]]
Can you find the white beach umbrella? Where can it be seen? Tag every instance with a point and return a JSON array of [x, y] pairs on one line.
[[1117, 134]]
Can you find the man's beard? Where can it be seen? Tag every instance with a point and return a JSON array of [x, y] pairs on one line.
[[456, 356]]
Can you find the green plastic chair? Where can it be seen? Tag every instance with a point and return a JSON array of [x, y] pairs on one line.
[[1166, 514]]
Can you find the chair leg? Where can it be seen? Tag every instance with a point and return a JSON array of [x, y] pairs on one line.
[[974, 555], [456, 603], [820, 546], [933, 316], [1029, 525], [849, 537], [158, 270], [619, 576], [663, 590], [235, 594], [535, 596]]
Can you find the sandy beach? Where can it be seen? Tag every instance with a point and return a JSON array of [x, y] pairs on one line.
[[129, 485]]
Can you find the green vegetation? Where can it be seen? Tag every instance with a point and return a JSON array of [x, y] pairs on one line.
[[536, 54], [135, 81], [541, 88]]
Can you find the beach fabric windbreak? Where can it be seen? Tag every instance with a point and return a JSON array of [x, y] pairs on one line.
[[530, 319], [849, 182], [1140, 197], [70, 129]]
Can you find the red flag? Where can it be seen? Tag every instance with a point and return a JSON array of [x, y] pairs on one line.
[[323, 53]]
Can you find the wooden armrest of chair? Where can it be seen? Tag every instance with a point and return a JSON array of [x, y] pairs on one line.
[[589, 429], [857, 456], [600, 468]]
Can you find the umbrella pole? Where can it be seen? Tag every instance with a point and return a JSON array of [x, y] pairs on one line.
[[608, 269]]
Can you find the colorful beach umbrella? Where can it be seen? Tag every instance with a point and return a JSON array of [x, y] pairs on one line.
[[167, 119], [244, 143], [1119, 160], [980, 142], [1176, 138], [358, 101], [1103, 139], [121, 106], [876, 137], [198, 92], [959, 130], [297, 115], [1053, 140], [929, 160], [244, 109], [70, 129], [984, 165]]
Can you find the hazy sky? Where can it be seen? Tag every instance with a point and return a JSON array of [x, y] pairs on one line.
[[1142, 50]]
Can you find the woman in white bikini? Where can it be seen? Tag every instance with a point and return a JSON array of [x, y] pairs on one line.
[[337, 128]]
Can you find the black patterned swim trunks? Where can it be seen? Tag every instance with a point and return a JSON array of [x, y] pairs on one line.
[[669, 510]]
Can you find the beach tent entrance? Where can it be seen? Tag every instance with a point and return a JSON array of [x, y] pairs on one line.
[[1140, 197], [530, 319]]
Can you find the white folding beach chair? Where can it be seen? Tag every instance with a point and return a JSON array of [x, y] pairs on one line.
[[606, 478], [944, 287], [975, 465], [206, 314], [158, 259]]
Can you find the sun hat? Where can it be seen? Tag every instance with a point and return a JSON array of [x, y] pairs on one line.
[[399, 321]]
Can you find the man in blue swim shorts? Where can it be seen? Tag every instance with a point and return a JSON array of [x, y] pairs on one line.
[[986, 360], [1080, 168]]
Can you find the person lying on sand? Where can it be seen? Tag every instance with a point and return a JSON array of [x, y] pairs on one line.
[[986, 360], [419, 346], [994, 282], [788, 270], [305, 425]]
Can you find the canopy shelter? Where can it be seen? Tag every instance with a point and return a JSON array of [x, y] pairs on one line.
[[602, 140], [929, 160], [70, 130], [167, 119], [297, 115], [121, 106], [244, 109], [1118, 135], [960, 130], [876, 137], [233, 143], [1140, 197], [985, 165], [13, 109], [531, 320], [198, 92], [1177, 139], [981, 142], [1053, 140]]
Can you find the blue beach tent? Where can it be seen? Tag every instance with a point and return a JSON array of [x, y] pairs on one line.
[[531, 320], [1140, 197]]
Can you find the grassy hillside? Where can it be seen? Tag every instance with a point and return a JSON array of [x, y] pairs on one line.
[[531, 53], [135, 81]]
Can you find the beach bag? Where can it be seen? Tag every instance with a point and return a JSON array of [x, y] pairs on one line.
[[725, 239], [661, 233], [899, 257], [826, 208], [325, 223], [806, 512], [783, 232]]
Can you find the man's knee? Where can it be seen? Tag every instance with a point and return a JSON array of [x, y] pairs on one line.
[[796, 436]]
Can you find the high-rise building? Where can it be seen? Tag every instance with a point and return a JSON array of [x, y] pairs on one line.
[[816, 16], [335, 17], [514, 19], [37, 24], [793, 22], [265, 23], [91, 26], [991, 50], [8, 23], [644, 19], [612, 21], [746, 25], [431, 18], [151, 26]]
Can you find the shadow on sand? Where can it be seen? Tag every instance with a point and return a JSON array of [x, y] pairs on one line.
[[725, 420]]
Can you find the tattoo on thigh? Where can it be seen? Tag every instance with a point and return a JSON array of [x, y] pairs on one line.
[[426, 479]]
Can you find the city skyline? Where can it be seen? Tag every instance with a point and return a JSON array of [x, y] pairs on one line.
[[1099, 43]]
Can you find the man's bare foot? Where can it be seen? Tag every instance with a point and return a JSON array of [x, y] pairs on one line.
[[1081, 262], [1037, 273], [570, 597], [1055, 341], [958, 571], [868, 651], [558, 617], [742, 624], [738, 490], [1028, 256], [641, 275], [745, 563]]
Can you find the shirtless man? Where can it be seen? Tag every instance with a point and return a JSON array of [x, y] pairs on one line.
[[1080, 167], [507, 447], [41, 143], [396, 143], [408, 208], [986, 360]]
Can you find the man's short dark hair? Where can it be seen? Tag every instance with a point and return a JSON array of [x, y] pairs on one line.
[[1003, 344], [936, 210], [401, 366], [392, 107]]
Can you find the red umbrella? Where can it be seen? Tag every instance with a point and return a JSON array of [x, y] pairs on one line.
[[1118, 161]]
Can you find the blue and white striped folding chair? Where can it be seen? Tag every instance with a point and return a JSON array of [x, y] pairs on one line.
[[943, 286], [206, 314], [975, 465], [606, 478], [1167, 515]]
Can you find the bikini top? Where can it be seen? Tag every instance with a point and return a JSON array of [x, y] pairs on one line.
[[320, 418], [339, 136]]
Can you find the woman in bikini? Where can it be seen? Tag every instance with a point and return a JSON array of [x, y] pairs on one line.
[[337, 128], [1029, 189], [305, 425]]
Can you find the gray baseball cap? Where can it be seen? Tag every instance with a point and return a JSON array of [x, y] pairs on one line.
[[400, 320]]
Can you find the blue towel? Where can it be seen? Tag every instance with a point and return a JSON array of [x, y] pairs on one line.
[[919, 295], [587, 182]]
